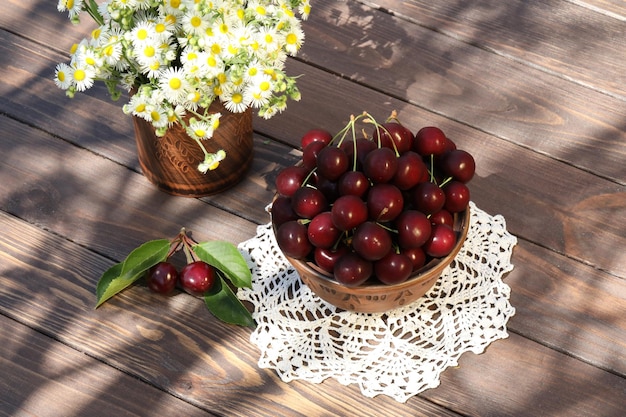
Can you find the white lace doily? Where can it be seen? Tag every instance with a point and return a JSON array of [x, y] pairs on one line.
[[400, 353]]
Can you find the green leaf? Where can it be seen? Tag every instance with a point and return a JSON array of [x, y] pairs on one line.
[[121, 275], [227, 258], [224, 304]]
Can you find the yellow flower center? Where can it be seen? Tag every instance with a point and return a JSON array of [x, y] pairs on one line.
[[216, 49], [200, 133], [79, 75], [155, 115], [175, 83], [237, 98], [170, 18], [160, 28], [155, 65], [292, 39], [61, 76], [211, 61], [142, 34], [69, 4], [261, 10], [90, 61], [264, 86], [140, 108], [269, 38], [195, 21], [252, 71], [149, 51], [96, 33], [73, 48], [108, 51], [175, 3]]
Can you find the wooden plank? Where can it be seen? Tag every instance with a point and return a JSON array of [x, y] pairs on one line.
[[42, 377], [613, 8], [522, 379], [574, 40], [171, 342], [465, 83], [569, 307]]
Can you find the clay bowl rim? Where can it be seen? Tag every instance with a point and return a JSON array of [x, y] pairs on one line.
[[432, 269]]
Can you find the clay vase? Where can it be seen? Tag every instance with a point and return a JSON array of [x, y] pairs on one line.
[[170, 162]]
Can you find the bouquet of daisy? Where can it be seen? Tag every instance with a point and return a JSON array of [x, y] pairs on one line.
[[178, 56]]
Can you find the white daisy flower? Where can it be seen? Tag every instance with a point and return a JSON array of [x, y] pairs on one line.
[[194, 22], [293, 40], [63, 76], [143, 33], [173, 84], [233, 98], [157, 115], [200, 129], [82, 77]]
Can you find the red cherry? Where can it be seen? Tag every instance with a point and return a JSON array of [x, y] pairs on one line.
[[282, 211], [308, 202], [322, 232], [352, 270], [371, 241], [162, 278], [384, 202], [457, 196], [309, 154], [326, 258], [417, 257], [414, 229], [197, 277], [394, 268], [459, 164], [348, 212], [442, 217], [315, 135], [394, 136], [290, 179], [430, 141], [441, 242], [293, 240]]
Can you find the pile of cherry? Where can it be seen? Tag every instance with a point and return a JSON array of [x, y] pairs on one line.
[[378, 206]]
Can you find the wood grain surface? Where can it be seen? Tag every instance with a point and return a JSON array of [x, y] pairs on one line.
[[535, 90]]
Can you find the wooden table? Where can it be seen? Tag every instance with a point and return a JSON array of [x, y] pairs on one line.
[[536, 90]]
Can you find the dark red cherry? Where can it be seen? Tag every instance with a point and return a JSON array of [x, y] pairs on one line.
[[352, 270], [459, 164], [289, 179], [293, 240], [394, 268], [162, 278], [197, 277], [441, 242], [315, 135], [430, 140]]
